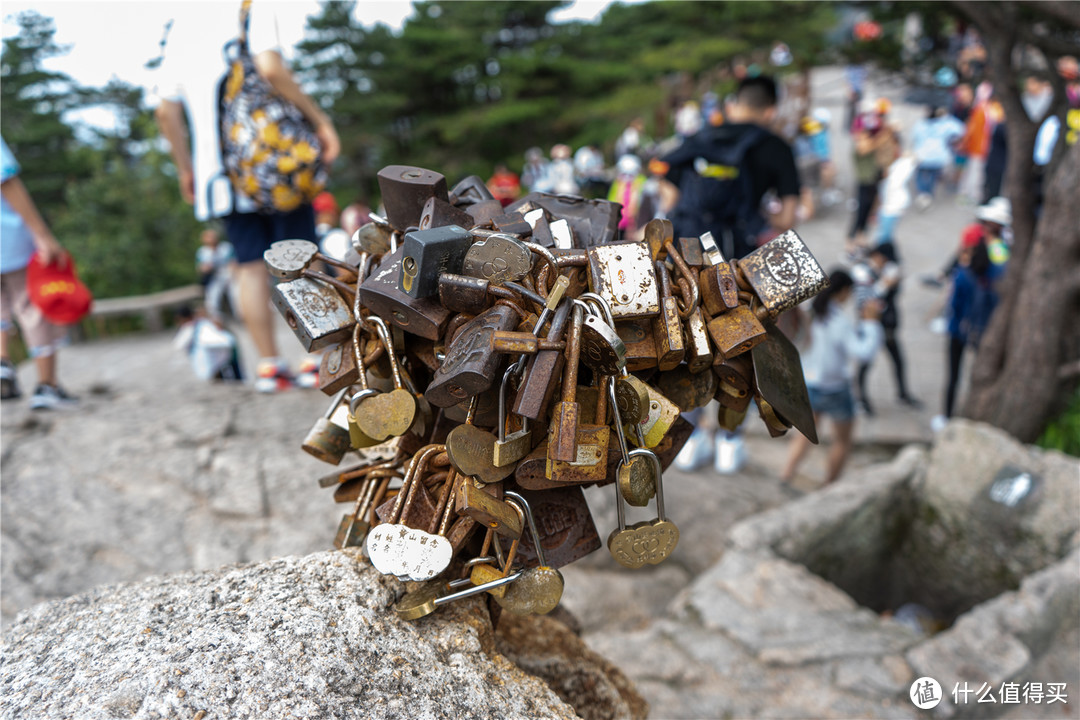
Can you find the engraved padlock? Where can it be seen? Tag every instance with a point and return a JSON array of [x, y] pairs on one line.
[[327, 440], [539, 589], [315, 312], [471, 365], [783, 273], [647, 542], [497, 258]]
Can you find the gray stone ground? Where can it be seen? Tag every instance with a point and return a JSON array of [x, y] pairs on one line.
[[159, 473]]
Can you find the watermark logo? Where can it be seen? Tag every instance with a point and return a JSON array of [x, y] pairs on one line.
[[925, 693]]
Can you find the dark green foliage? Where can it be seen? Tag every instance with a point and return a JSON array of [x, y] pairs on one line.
[[1063, 433], [112, 202]]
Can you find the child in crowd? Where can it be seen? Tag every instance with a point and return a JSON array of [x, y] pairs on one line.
[[834, 342], [211, 348]]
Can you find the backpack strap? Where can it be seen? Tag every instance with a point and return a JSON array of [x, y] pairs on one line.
[[245, 23]]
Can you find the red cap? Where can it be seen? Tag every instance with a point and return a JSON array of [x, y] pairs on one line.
[[324, 202], [57, 291], [973, 235]]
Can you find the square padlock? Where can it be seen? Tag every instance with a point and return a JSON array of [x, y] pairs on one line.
[[783, 273], [623, 275]]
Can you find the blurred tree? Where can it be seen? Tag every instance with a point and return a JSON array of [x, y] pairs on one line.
[[124, 242], [1028, 362], [467, 85], [33, 101]]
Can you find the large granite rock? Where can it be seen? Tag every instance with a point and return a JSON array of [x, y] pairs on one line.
[[296, 637]]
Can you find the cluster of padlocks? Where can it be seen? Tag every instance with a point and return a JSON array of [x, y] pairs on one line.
[[487, 362]]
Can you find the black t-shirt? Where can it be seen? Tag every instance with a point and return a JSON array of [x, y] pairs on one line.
[[770, 162], [729, 205]]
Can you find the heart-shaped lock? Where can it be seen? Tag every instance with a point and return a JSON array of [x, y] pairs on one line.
[[424, 555], [498, 258], [386, 414], [287, 258], [537, 592], [472, 451], [386, 548], [649, 542]]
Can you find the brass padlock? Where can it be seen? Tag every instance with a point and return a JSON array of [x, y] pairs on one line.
[[510, 448], [783, 273], [380, 293], [315, 312], [623, 275], [661, 416], [735, 386], [686, 389], [639, 342], [667, 330], [428, 254], [562, 433], [735, 332], [647, 542], [471, 364], [593, 438], [405, 190], [328, 440]]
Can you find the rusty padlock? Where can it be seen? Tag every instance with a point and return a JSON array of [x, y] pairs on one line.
[[315, 312], [471, 364], [405, 190], [783, 273]]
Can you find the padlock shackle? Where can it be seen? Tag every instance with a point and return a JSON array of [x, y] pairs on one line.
[[573, 355], [620, 433], [526, 510], [477, 589], [388, 343], [502, 401]]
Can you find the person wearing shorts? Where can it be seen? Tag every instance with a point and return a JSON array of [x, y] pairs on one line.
[[835, 343], [188, 117], [22, 233]]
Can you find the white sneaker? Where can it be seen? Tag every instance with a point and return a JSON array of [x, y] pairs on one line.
[[272, 375], [51, 397], [923, 201], [696, 453], [938, 423], [730, 453]]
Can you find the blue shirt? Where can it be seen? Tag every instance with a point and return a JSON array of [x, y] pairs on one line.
[[16, 242]]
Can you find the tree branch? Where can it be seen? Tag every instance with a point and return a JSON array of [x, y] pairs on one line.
[[1060, 10]]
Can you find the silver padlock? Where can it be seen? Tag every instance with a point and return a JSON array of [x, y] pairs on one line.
[[316, 313]]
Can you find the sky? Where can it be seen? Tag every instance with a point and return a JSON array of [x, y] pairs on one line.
[[116, 37]]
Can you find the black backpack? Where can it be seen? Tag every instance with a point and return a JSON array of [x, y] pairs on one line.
[[716, 190]]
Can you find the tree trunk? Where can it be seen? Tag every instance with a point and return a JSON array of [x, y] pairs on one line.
[[1036, 322]]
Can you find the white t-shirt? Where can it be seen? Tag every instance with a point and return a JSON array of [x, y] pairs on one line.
[[193, 66]]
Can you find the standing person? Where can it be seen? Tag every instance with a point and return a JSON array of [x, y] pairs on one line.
[[878, 280], [719, 176], [591, 174], [932, 142], [834, 342], [22, 233], [534, 174], [875, 148], [715, 181], [560, 175], [976, 144], [895, 197], [971, 303], [627, 189], [192, 70], [216, 262]]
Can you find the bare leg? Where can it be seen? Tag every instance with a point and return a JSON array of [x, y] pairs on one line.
[[46, 368], [4, 339], [841, 448], [255, 306], [797, 449]]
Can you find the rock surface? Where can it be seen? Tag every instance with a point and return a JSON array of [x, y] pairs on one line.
[[311, 637]]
